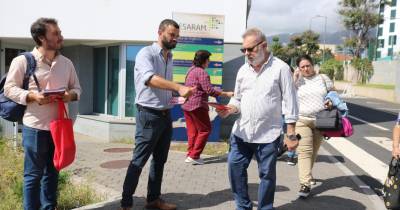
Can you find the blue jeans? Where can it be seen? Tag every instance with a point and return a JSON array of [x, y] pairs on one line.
[[40, 176], [239, 159], [153, 137], [291, 154]]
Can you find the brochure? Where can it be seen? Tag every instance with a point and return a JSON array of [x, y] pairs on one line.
[[177, 100], [54, 92], [218, 106]]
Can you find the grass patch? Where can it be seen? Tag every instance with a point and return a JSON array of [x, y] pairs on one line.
[[11, 182], [380, 86], [212, 148]]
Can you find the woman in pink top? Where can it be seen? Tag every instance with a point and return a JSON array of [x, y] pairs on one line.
[[195, 108]]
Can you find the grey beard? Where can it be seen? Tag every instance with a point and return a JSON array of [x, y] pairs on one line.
[[258, 60]]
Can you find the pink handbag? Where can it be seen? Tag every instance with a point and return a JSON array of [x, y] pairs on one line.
[[346, 131]]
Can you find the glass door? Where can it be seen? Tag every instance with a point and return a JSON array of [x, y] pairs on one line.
[[131, 52], [99, 79], [113, 79]]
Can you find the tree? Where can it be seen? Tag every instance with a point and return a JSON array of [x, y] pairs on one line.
[[279, 50], [305, 43], [359, 16]]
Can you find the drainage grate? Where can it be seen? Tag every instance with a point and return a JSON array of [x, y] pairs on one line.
[[118, 150], [115, 164]]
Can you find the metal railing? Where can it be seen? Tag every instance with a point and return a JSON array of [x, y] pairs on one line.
[[9, 131]]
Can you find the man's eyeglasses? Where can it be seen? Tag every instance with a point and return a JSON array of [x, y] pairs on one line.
[[250, 49]]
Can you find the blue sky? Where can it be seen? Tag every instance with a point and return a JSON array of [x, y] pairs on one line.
[[292, 16]]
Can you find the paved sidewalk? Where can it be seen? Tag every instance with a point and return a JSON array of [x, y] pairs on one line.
[[206, 187]]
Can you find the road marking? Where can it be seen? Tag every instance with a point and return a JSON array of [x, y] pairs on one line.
[[384, 142], [376, 200], [371, 102], [370, 164], [368, 123]]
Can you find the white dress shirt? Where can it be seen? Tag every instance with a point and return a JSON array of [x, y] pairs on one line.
[[258, 97]]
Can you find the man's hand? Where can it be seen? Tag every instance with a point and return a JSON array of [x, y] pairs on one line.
[[291, 145], [69, 96], [185, 91], [38, 97], [230, 109], [228, 94]]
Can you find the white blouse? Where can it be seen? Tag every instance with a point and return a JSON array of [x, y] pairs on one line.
[[311, 94]]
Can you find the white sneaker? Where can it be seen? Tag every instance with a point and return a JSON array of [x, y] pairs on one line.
[[188, 160], [197, 161], [313, 182]]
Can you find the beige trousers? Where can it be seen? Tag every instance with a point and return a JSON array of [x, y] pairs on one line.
[[308, 148]]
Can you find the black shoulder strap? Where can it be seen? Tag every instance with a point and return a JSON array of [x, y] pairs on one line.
[[30, 70]]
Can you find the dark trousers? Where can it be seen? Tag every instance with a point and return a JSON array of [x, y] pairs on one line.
[[40, 176], [153, 137], [239, 159]]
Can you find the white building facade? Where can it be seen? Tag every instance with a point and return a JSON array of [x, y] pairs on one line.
[[388, 47], [102, 38]]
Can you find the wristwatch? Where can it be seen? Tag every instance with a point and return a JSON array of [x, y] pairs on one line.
[[292, 137]]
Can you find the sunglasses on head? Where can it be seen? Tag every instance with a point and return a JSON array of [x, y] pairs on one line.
[[250, 49]]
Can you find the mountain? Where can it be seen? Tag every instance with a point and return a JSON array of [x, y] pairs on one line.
[[331, 38]]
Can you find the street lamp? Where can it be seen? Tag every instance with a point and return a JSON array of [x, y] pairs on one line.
[[326, 20]]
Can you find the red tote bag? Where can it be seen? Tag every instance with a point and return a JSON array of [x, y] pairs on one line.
[[63, 138]]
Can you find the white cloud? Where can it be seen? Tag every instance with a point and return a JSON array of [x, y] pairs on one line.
[[292, 16]]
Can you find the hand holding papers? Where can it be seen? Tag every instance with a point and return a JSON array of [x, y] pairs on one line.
[[54, 93], [177, 100], [218, 106]]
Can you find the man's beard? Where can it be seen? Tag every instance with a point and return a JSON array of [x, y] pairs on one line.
[[258, 59], [168, 45]]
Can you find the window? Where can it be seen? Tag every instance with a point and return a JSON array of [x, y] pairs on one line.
[[394, 3], [99, 90], [378, 54], [113, 80], [380, 31], [393, 14], [381, 8], [381, 43], [392, 40], [131, 52], [390, 52], [391, 29]]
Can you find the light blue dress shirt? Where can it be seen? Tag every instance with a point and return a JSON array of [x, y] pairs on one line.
[[149, 62]]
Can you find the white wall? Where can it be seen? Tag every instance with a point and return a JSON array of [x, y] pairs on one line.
[[125, 20]]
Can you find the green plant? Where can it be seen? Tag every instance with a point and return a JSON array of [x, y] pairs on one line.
[[359, 17], [332, 68], [11, 183], [72, 196], [364, 68]]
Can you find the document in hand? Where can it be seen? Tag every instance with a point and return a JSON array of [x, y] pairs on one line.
[[54, 92], [217, 106], [177, 100]]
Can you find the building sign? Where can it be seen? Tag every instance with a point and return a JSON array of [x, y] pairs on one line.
[[198, 32]]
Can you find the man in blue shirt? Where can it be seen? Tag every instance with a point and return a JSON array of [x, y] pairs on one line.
[[153, 75]]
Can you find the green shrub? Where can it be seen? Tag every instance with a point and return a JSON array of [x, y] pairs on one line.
[[332, 68], [11, 182], [364, 68]]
